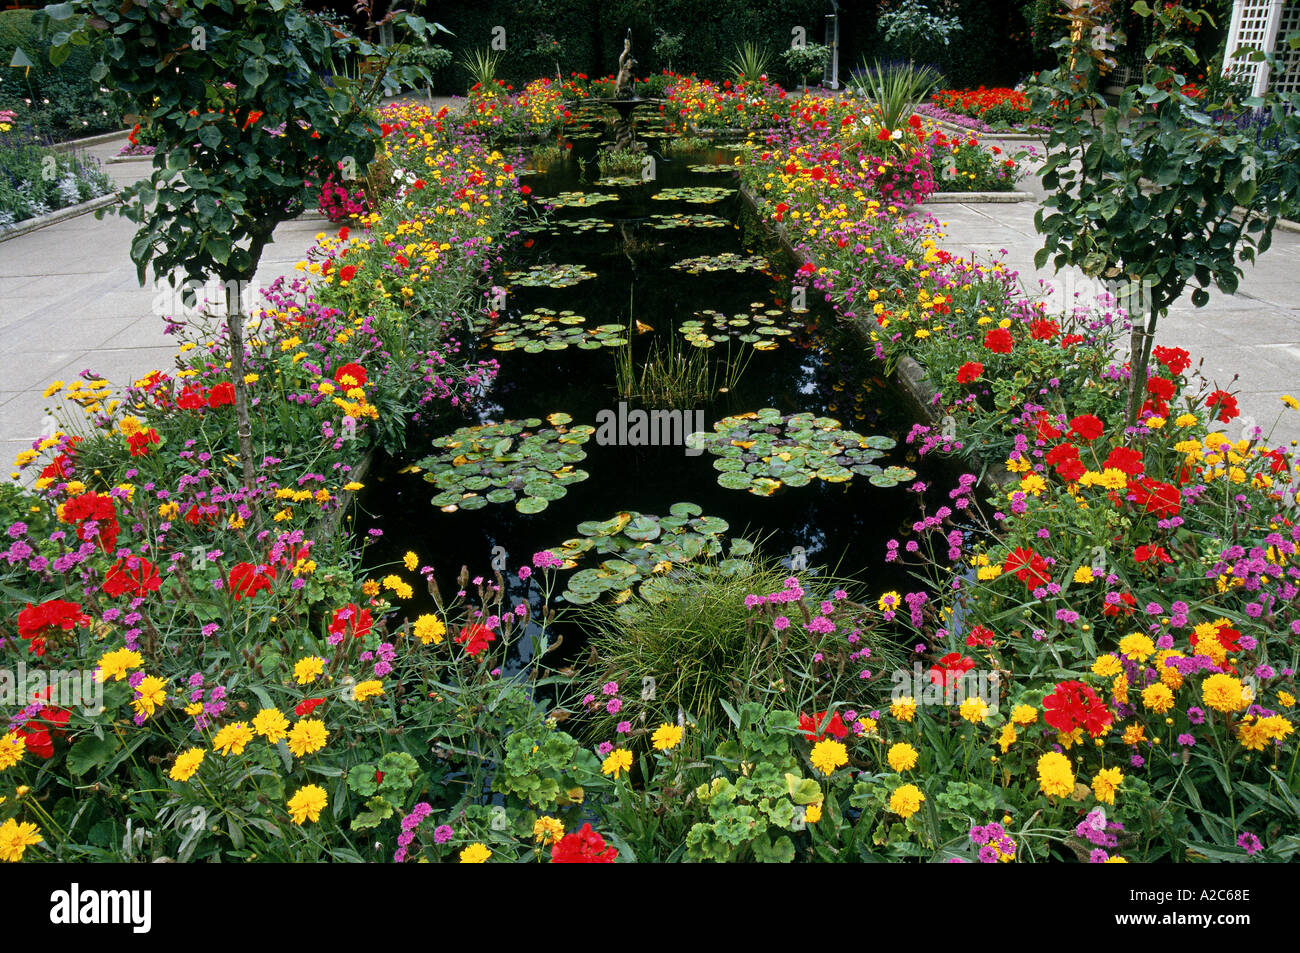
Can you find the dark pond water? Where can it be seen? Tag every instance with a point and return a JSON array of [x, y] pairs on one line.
[[816, 368]]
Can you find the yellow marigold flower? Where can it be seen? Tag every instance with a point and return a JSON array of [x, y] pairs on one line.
[[1286, 399], [1104, 784], [368, 689], [1017, 464], [1107, 666], [54, 388], [1224, 693], [1083, 575], [150, 693], [12, 747], [1033, 484], [232, 738], [307, 803], [271, 724], [904, 709], [1055, 776], [370, 588], [902, 757], [15, 838], [1007, 738], [307, 670], [307, 736], [1115, 860], [812, 813], [186, 764], [1285, 699], [868, 725], [1155, 423], [906, 801], [353, 486], [1158, 698], [828, 755], [117, 663], [398, 586], [616, 762], [130, 425], [475, 854], [548, 830], [194, 709], [410, 561], [1024, 715], [973, 709], [1134, 734], [666, 737], [429, 628], [1137, 646], [1186, 420], [985, 573]]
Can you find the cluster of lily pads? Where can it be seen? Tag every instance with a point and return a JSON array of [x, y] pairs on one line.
[[545, 330], [688, 219], [694, 194], [713, 167], [576, 225], [762, 451], [619, 181], [515, 460], [759, 328], [644, 549], [727, 261], [579, 199], [550, 276]]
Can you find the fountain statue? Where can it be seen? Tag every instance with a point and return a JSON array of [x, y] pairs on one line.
[[623, 83]]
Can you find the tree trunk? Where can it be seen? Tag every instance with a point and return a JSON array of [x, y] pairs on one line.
[[243, 427], [1140, 341]]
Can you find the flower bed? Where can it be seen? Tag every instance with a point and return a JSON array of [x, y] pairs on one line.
[[37, 180]]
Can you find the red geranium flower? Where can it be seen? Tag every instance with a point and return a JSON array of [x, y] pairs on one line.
[[134, 576], [1029, 567], [222, 394], [351, 620], [809, 724], [1125, 459], [192, 397], [1046, 431], [1065, 457], [347, 272], [140, 441], [36, 622], [307, 706], [1160, 387], [248, 579], [1226, 403], [1175, 359], [1162, 499], [1125, 606], [475, 637], [979, 635], [583, 847], [970, 371], [1076, 705], [1043, 329], [96, 508], [1144, 553], [950, 669], [1087, 427], [356, 374], [999, 341]]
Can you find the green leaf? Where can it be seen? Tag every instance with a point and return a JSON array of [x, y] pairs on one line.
[[90, 753], [255, 72]]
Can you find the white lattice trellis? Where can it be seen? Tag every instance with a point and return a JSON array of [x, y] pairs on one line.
[[1258, 25]]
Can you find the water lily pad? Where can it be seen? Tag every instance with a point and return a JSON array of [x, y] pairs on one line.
[[727, 261], [687, 220], [580, 199]]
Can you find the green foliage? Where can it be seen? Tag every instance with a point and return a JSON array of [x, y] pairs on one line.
[[481, 65], [749, 63], [804, 61], [894, 91], [53, 102]]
